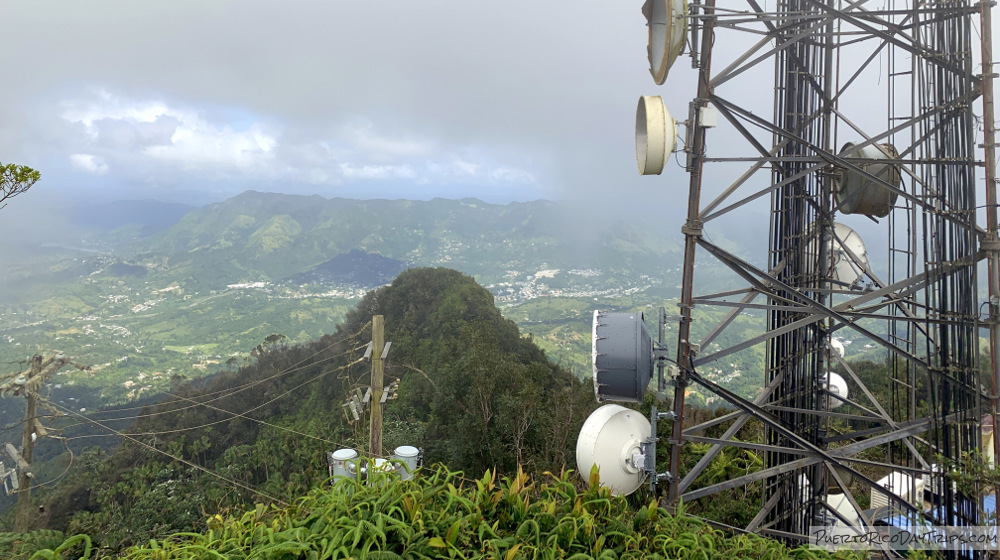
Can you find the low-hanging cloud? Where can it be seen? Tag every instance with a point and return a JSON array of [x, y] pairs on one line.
[[128, 138], [152, 132]]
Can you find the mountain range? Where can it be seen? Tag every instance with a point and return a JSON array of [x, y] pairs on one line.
[[262, 236], [150, 294]]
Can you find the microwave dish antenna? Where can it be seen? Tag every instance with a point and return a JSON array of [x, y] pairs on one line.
[[845, 253], [655, 135], [837, 346], [864, 189], [623, 356], [838, 387], [612, 439], [668, 28]]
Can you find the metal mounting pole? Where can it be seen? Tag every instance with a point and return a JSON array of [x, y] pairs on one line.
[[691, 231]]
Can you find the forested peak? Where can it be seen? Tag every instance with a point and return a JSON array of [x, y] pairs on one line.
[[418, 293], [489, 395], [427, 307]]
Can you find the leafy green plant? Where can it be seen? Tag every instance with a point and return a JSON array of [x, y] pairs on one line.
[[973, 475], [441, 514], [21, 546]]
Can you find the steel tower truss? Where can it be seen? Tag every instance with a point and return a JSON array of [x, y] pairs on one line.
[[919, 302]]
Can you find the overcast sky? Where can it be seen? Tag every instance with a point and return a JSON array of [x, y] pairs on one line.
[[197, 101]]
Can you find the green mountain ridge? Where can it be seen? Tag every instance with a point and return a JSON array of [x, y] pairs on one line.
[[256, 229], [203, 292]]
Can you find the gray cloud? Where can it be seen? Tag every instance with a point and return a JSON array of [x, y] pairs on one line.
[[518, 100], [536, 96]]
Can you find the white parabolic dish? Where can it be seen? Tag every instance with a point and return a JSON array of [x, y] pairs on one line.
[[608, 439], [846, 253], [848, 242], [838, 386], [668, 28], [837, 347], [655, 134]]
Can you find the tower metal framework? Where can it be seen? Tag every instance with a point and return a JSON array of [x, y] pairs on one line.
[[913, 65]]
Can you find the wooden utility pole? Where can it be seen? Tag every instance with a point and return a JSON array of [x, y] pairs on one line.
[[29, 384], [22, 519], [378, 346]]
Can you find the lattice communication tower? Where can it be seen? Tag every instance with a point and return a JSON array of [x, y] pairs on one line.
[[840, 120]]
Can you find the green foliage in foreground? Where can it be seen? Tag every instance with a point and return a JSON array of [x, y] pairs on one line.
[[16, 179], [439, 514], [21, 546]]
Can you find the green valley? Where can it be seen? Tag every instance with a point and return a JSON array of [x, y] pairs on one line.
[[200, 295]]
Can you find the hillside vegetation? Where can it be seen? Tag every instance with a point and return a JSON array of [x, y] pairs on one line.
[[441, 514], [473, 393]]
